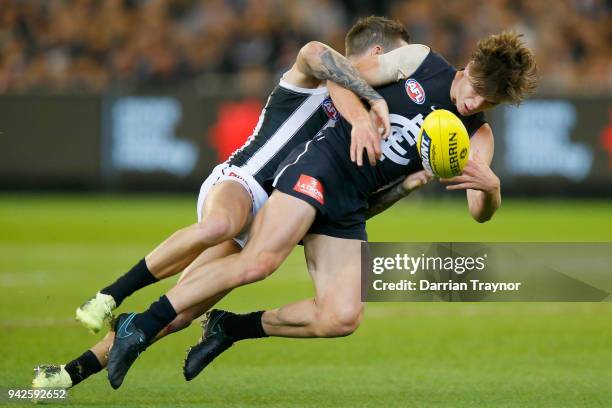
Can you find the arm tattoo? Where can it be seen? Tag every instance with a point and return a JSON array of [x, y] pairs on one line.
[[338, 69], [384, 199]]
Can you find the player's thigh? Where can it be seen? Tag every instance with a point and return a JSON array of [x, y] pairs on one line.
[[229, 199], [335, 267], [278, 227], [218, 251]]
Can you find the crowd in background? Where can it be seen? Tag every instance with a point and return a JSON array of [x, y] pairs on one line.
[[94, 45]]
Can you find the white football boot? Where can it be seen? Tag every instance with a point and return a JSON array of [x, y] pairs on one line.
[[51, 376], [96, 311]]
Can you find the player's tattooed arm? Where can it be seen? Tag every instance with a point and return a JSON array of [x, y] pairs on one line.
[[385, 198], [317, 62], [323, 63], [336, 68]]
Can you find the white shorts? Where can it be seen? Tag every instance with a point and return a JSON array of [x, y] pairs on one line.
[[224, 172]]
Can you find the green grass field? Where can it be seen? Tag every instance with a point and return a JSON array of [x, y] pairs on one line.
[[55, 251]]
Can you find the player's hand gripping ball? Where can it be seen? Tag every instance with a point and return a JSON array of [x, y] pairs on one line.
[[443, 144]]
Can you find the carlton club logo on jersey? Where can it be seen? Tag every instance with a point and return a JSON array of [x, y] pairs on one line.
[[403, 131], [311, 187], [415, 91], [329, 108]]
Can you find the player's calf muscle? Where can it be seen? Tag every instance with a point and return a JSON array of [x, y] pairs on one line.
[[313, 318]]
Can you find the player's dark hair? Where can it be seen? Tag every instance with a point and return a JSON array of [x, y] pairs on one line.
[[503, 68], [373, 30]]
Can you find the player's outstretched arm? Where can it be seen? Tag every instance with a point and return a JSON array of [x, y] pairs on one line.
[[480, 182], [317, 62], [385, 198]]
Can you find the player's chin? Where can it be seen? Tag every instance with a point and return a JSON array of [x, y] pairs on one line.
[[464, 111], [467, 112], [461, 108]]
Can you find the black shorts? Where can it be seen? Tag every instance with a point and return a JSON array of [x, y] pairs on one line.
[[313, 174]]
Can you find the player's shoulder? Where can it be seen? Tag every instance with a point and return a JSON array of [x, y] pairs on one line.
[[414, 50], [288, 95], [295, 81], [402, 62], [419, 52], [434, 63]]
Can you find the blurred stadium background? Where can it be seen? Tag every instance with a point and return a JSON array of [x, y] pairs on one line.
[[100, 100], [150, 94]]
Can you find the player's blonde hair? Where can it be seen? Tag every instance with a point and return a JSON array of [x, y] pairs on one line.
[[503, 68]]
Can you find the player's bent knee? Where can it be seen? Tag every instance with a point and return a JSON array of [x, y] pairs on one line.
[[340, 321], [259, 267], [216, 228]]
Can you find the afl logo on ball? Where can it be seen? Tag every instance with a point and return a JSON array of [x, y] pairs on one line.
[[415, 91]]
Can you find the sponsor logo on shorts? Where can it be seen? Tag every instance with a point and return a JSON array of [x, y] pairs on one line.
[[234, 174], [311, 187], [415, 91], [329, 108], [244, 183]]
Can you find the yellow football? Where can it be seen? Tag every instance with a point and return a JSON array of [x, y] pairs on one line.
[[443, 144]]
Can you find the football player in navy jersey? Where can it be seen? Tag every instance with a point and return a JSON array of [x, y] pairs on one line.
[[321, 197]]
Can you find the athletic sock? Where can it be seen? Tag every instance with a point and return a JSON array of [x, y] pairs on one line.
[[158, 316], [82, 367], [246, 326], [136, 278]]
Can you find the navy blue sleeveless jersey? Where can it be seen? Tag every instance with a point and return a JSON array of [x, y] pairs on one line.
[[409, 101], [321, 173]]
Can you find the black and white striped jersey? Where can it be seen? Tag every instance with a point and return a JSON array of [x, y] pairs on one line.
[[291, 116]]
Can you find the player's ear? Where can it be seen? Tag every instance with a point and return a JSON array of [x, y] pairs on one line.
[[377, 50]]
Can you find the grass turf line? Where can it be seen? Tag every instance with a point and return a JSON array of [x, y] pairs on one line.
[[55, 251]]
